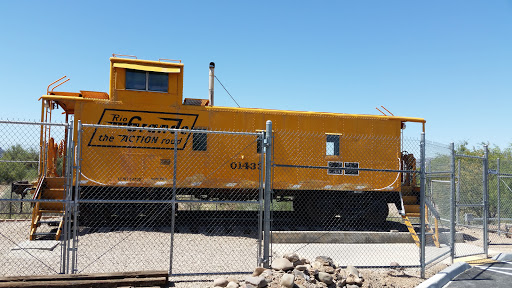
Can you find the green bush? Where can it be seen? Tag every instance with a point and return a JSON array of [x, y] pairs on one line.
[[10, 172]]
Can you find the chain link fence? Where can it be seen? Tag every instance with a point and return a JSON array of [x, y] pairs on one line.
[[193, 201], [20, 166], [340, 195]]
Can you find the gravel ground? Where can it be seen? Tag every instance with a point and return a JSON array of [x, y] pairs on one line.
[[108, 250]]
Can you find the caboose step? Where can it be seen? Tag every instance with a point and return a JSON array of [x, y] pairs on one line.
[[410, 200], [52, 211], [50, 223], [412, 209], [48, 189], [54, 194], [414, 235], [44, 234]]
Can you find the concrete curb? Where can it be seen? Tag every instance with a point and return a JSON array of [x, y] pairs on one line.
[[351, 237], [503, 257], [443, 277]]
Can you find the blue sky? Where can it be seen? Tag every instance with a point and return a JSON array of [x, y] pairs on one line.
[[449, 62]]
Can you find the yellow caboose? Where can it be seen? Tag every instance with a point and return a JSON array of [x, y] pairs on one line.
[[149, 94]]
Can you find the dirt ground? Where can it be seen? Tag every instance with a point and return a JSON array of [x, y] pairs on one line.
[[126, 250]]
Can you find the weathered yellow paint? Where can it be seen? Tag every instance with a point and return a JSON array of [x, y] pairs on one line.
[[147, 68], [141, 167]]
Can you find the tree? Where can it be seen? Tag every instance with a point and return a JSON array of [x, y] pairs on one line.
[[16, 171]]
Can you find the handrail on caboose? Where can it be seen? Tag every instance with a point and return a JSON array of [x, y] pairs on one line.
[[171, 60], [60, 84], [123, 55], [48, 88]]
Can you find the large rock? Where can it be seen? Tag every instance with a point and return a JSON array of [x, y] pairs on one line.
[[256, 281], [353, 276], [301, 267], [352, 270], [232, 284], [325, 277], [328, 269], [267, 273], [258, 271], [341, 283], [326, 261], [287, 280], [282, 264], [292, 257], [353, 279], [300, 275], [316, 265], [220, 282]]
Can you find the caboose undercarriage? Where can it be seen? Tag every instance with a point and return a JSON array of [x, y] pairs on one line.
[[135, 204]]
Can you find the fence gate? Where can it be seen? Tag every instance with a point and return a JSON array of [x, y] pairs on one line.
[[186, 201], [438, 193], [500, 202], [471, 204]]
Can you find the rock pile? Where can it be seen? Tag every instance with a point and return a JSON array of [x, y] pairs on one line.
[[293, 271]]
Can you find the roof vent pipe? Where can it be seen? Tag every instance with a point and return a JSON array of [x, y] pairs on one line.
[[210, 87]]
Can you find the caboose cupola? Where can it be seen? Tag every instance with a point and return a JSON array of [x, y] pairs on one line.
[[146, 83]]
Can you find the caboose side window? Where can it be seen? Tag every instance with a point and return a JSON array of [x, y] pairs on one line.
[[332, 145], [146, 81], [199, 141]]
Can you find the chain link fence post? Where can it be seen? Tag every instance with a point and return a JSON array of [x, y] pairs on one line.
[[499, 195], [78, 160], [173, 200], [268, 196], [68, 174], [453, 201], [457, 209], [486, 200], [69, 195], [261, 142], [422, 204]]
